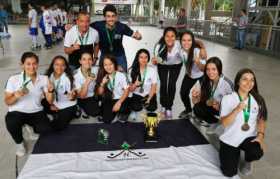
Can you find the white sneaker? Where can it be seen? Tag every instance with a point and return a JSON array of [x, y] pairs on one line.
[[20, 150], [246, 168], [132, 116], [168, 114], [31, 134]]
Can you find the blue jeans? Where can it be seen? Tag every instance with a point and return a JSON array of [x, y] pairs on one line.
[[240, 38], [121, 61]]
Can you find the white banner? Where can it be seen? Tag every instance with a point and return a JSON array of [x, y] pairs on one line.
[[115, 1], [192, 162]]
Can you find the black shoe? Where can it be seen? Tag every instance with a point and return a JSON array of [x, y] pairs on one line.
[[123, 118], [185, 115]]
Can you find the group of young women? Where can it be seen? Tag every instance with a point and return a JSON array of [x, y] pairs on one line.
[[106, 92]]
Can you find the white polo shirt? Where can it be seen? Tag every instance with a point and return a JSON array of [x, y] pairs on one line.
[[73, 36], [53, 15], [80, 80], [31, 102], [47, 22], [195, 72], [121, 84], [150, 79], [62, 87], [174, 56], [32, 14], [233, 134]]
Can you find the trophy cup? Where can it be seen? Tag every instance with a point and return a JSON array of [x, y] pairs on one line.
[[151, 122]]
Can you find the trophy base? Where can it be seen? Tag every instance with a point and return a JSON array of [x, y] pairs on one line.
[[149, 139]]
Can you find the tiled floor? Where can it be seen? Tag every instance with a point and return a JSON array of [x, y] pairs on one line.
[[266, 69]]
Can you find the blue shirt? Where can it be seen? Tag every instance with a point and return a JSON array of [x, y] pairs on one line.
[[3, 15], [116, 35]]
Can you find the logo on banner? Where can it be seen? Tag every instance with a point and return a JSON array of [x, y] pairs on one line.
[[127, 153]]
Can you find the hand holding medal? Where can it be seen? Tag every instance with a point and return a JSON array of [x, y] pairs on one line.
[[246, 112]]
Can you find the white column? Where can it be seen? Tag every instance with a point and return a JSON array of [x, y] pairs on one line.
[[162, 5], [187, 4], [151, 10]]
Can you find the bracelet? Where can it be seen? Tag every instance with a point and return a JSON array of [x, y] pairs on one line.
[[260, 133]]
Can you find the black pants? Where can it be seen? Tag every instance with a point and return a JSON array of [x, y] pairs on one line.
[[168, 75], [137, 103], [206, 113], [15, 121], [62, 117], [90, 106], [229, 155], [186, 87], [107, 108]]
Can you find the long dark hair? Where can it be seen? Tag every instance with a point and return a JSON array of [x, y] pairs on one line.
[[67, 70], [135, 68], [190, 62], [254, 92], [162, 44], [101, 71], [206, 82]]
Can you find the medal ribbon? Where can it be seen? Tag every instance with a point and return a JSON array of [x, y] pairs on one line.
[[25, 83], [111, 83], [246, 111], [83, 40], [143, 79], [110, 38], [213, 89]]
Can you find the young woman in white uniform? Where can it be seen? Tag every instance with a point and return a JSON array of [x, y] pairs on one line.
[[85, 81], [113, 88], [64, 106], [143, 83], [243, 115], [169, 63], [194, 64], [207, 94], [23, 95]]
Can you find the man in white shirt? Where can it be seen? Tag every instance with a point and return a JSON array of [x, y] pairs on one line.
[[81, 38]]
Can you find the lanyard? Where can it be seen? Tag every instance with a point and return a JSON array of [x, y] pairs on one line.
[[25, 82], [111, 83], [110, 38], [213, 89], [144, 77], [159, 51], [83, 40], [246, 111], [56, 86]]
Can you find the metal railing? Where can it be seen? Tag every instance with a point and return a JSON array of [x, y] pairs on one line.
[[260, 38]]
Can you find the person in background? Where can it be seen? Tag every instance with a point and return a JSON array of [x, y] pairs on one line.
[[46, 26], [81, 38], [161, 19], [33, 27], [181, 24], [23, 95], [113, 88], [242, 23], [63, 109], [111, 32], [4, 18], [243, 116]]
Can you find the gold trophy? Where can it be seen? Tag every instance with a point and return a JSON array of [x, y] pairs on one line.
[[151, 122]]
